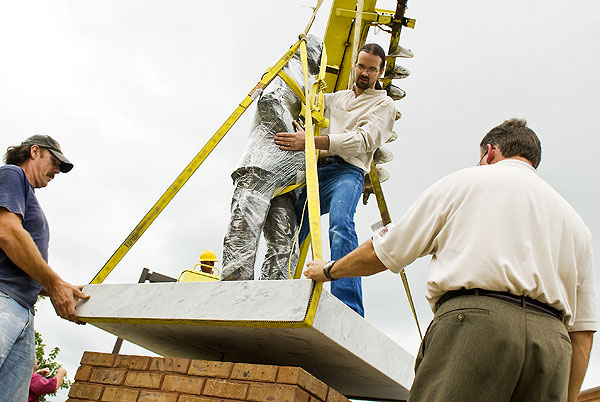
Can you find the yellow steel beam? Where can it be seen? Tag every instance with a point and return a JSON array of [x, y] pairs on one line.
[[376, 17], [339, 39]]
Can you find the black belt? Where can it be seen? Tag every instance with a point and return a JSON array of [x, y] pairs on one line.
[[523, 301], [330, 159]]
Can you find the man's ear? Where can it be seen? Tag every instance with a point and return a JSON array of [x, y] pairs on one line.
[[490, 154], [35, 151]]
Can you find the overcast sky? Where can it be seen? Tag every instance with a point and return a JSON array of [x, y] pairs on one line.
[[133, 89]]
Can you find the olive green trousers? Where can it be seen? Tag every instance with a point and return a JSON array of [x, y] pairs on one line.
[[482, 349]]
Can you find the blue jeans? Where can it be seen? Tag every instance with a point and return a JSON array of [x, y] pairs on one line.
[[16, 349], [340, 188]]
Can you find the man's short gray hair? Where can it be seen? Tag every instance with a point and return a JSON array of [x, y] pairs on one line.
[[514, 138]]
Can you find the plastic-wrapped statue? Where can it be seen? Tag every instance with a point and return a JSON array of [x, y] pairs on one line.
[[262, 170]]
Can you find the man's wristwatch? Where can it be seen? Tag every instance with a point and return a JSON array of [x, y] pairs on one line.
[[326, 270]]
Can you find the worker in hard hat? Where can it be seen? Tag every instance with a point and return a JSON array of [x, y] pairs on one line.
[[207, 261]]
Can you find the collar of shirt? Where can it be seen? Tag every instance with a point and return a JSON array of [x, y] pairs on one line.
[[517, 163]]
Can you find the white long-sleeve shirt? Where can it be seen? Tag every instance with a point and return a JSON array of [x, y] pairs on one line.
[[358, 125], [498, 227]]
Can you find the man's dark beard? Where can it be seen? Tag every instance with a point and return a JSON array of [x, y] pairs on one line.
[[362, 84]]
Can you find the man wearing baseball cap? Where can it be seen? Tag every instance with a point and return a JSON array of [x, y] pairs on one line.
[[24, 270]]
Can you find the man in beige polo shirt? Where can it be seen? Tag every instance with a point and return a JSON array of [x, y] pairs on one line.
[[510, 281]]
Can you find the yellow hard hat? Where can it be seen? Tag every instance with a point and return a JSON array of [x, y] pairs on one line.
[[208, 255]]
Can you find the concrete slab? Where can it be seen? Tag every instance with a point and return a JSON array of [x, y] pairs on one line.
[[290, 323]]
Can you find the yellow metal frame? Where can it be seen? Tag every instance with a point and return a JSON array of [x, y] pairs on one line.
[[339, 38]]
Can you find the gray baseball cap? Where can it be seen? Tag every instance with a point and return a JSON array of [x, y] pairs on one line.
[[45, 141]]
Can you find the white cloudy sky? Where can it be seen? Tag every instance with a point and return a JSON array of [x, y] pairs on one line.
[[133, 89]]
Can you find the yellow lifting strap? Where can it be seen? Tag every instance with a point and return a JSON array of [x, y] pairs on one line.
[[312, 181], [282, 190], [302, 257], [312, 17], [385, 219], [317, 104], [316, 109], [293, 86], [317, 115], [189, 170]]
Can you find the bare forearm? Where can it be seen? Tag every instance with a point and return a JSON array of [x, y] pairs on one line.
[[581, 344], [322, 142], [361, 262], [60, 377]]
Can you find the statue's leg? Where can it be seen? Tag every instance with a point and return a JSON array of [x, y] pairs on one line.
[[279, 231], [249, 207]]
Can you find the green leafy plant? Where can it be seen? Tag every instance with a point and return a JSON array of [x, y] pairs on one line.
[[48, 362]]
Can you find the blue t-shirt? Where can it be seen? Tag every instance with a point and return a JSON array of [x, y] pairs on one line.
[[17, 196]]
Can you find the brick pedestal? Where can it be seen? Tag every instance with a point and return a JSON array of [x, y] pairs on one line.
[[590, 395], [107, 377]]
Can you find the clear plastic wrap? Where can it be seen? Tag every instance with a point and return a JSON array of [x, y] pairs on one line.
[[264, 168]]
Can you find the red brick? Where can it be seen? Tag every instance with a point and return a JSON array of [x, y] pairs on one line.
[[589, 395], [78, 400], [108, 376], [334, 396], [143, 379], [254, 372], [86, 391], [313, 385], [187, 384], [288, 375], [153, 396], [296, 375], [132, 362], [225, 389], [169, 364], [83, 373], [120, 394], [98, 359], [210, 369], [276, 392], [192, 398]]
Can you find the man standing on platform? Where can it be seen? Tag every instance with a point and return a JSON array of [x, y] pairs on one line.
[[511, 279], [360, 121], [24, 270]]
